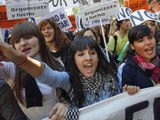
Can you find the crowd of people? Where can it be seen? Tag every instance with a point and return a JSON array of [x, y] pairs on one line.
[[44, 73]]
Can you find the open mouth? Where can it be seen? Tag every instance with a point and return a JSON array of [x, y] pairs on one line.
[[88, 68]]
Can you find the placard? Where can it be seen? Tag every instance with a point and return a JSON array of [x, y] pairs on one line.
[[55, 4], [60, 18], [100, 10], [139, 16], [4, 23], [124, 14], [23, 10]]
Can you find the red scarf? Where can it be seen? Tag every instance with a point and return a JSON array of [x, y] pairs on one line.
[[152, 67]]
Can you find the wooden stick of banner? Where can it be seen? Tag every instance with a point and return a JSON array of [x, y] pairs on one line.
[[104, 39]]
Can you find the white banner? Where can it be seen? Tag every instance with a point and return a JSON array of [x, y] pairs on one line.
[[54, 4], [144, 105], [36, 9], [101, 10], [60, 17], [139, 16]]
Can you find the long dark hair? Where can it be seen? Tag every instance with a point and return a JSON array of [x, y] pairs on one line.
[[30, 29], [134, 34], [82, 32], [82, 43]]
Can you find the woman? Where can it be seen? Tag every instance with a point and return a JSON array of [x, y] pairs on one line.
[[95, 36], [151, 23], [141, 67], [92, 78], [35, 88], [9, 108], [55, 39], [90, 32]]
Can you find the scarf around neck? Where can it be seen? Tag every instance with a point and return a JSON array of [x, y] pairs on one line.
[[32, 92], [91, 84], [152, 69]]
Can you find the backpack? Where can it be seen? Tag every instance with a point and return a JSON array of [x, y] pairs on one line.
[[115, 45]]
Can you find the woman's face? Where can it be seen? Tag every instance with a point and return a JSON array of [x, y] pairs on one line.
[[151, 24], [86, 61], [48, 33], [28, 45], [145, 47], [126, 24], [89, 33]]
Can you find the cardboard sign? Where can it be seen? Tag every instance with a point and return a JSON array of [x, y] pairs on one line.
[[124, 14], [4, 23], [54, 4], [60, 18], [136, 4], [140, 16], [23, 10], [82, 25], [100, 10]]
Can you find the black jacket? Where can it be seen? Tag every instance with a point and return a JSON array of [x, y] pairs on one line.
[[9, 108], [132, 74]]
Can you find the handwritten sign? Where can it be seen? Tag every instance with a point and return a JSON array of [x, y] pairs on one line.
[[36, 9], [100, 10], [60, 17], [54, 4], [4, 23], [82, 25]]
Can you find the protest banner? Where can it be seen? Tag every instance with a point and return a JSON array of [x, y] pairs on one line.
[[82, 25], [55, 4], [139, 16], [144, 105], [136, 4], [100, 10], [23, 10], [4, 23], [60, 17], [125, 13]]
